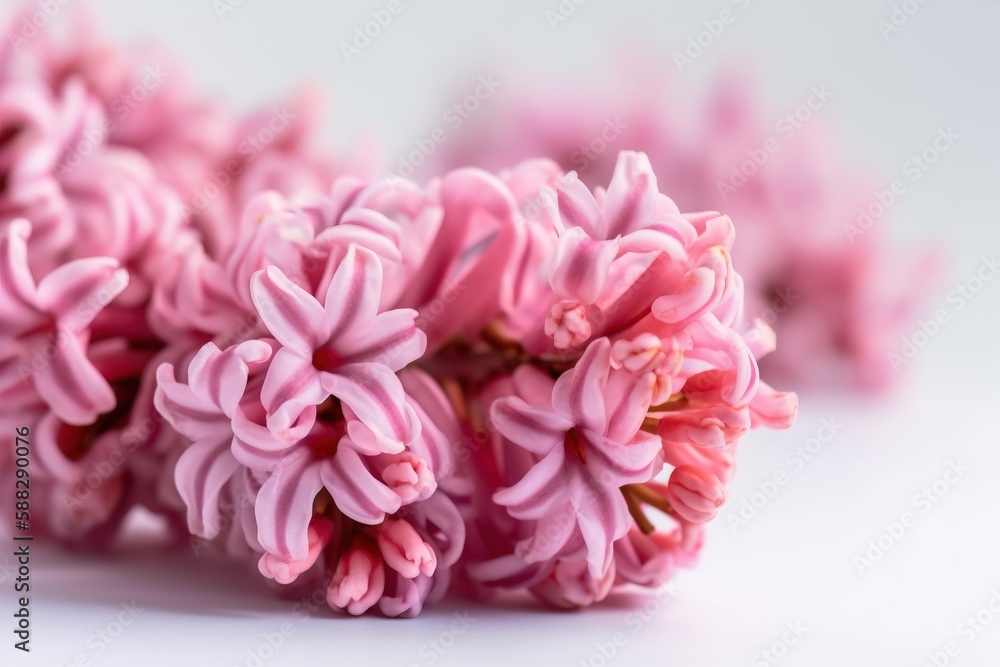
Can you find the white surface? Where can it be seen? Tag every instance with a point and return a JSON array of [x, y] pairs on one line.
[[794, 561]]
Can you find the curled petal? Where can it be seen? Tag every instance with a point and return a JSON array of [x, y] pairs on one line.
[[201, 473], [284, 506], [578, 394], [355, 490]]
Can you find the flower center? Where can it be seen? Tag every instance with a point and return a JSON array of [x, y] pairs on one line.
[[325, 359], [573, 443]]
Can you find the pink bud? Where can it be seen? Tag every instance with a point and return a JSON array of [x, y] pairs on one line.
[[358, 582], [567, 325], [404, 550], [695, 495], [409, 477]]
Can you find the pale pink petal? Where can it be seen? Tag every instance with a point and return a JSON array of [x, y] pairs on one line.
[[291, 385], [290, 313], [578, 394], [536, 429], [632, 196], [581, 264], [72, 387], [284, 506], [352, 299], [355, 490], [202, 471]]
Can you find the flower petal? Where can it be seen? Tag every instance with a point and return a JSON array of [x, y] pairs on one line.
[[356, 492], [284, 505], [536, 429], [291, 385], [579, 392], [632, 196], [290, 313], [202, 471], [580, 267], [76, 291], [394, 341], [352, 299], [73, 388], [375, 395], [540, 491]]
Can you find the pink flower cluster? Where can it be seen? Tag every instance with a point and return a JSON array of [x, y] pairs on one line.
[[813, 244], [383, 390], [404, 384]]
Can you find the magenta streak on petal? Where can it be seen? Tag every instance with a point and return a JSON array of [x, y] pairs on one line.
[[577, 216], [630, 204], [388, 343], [351, 303]]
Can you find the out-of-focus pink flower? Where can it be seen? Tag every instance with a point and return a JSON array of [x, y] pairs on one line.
[[44, 334], [838, 297]]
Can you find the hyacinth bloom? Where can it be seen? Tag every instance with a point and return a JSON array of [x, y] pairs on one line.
[[344, 349], [590, 445]]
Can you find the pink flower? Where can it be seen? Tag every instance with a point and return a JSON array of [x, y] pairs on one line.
[[571, 585], [44, 331], [589, 445], [346, 349]]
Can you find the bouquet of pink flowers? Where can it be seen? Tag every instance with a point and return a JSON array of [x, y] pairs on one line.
[[496, 381]]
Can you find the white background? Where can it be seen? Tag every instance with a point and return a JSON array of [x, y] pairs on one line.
[[795, 560]]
